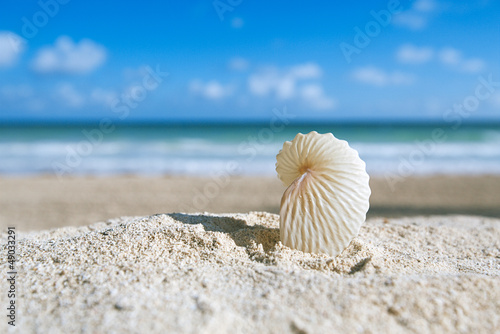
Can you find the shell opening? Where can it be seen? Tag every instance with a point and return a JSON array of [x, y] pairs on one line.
[[304, 169]]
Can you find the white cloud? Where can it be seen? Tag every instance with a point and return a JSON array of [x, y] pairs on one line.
[[474, 65], [101, 96], [238, 64], [453, 58], [211, 90], [414, 55], [64, 95], [495, 99], [270, 80], [282, 83], [314, 95], [433, 105], [299, 81], [449, 57], [417, 17], [400, 78], [370, 75], [11, 47], [70, 97], [410, 20], [424, 6], [306, 71], [374, 76], [16, 91], [67, 57], [237, 22], [21, 97]]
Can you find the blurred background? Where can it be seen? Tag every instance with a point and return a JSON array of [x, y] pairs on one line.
[[110, 109]]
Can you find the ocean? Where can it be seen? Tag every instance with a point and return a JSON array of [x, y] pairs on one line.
[[240, 149]]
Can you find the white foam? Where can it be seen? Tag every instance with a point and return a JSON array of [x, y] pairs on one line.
[[195, 156]]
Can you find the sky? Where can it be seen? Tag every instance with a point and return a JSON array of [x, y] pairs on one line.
[[238, 60]]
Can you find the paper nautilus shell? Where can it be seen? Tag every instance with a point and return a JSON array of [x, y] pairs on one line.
[[328, 193]]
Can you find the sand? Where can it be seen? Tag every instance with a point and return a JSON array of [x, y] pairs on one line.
[[36, 203], [426, 261], [215, 273]]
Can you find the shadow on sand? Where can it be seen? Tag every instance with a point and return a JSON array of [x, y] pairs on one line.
[[244, 235]]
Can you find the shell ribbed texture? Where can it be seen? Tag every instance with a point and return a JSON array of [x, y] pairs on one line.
[[328, 193]]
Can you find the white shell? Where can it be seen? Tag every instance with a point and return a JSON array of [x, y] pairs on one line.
[[328, 193]]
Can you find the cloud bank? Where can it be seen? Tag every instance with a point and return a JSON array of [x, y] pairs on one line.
[[11, 47], [65, 56]]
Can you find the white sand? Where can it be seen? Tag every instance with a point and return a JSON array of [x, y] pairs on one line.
[[230, 274]]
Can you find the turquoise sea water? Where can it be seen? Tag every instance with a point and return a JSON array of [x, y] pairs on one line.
[[209, 149]]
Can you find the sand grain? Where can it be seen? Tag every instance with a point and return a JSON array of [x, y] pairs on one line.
[[213, 273]]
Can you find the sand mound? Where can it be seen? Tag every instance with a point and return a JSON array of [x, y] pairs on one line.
[[229, 274]]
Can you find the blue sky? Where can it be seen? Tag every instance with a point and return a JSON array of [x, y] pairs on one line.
[[237, 60]]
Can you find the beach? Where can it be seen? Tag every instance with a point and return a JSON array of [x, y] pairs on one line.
[[143, 156], [228, 273], [42, 202], [135, 254], [159, 230]]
